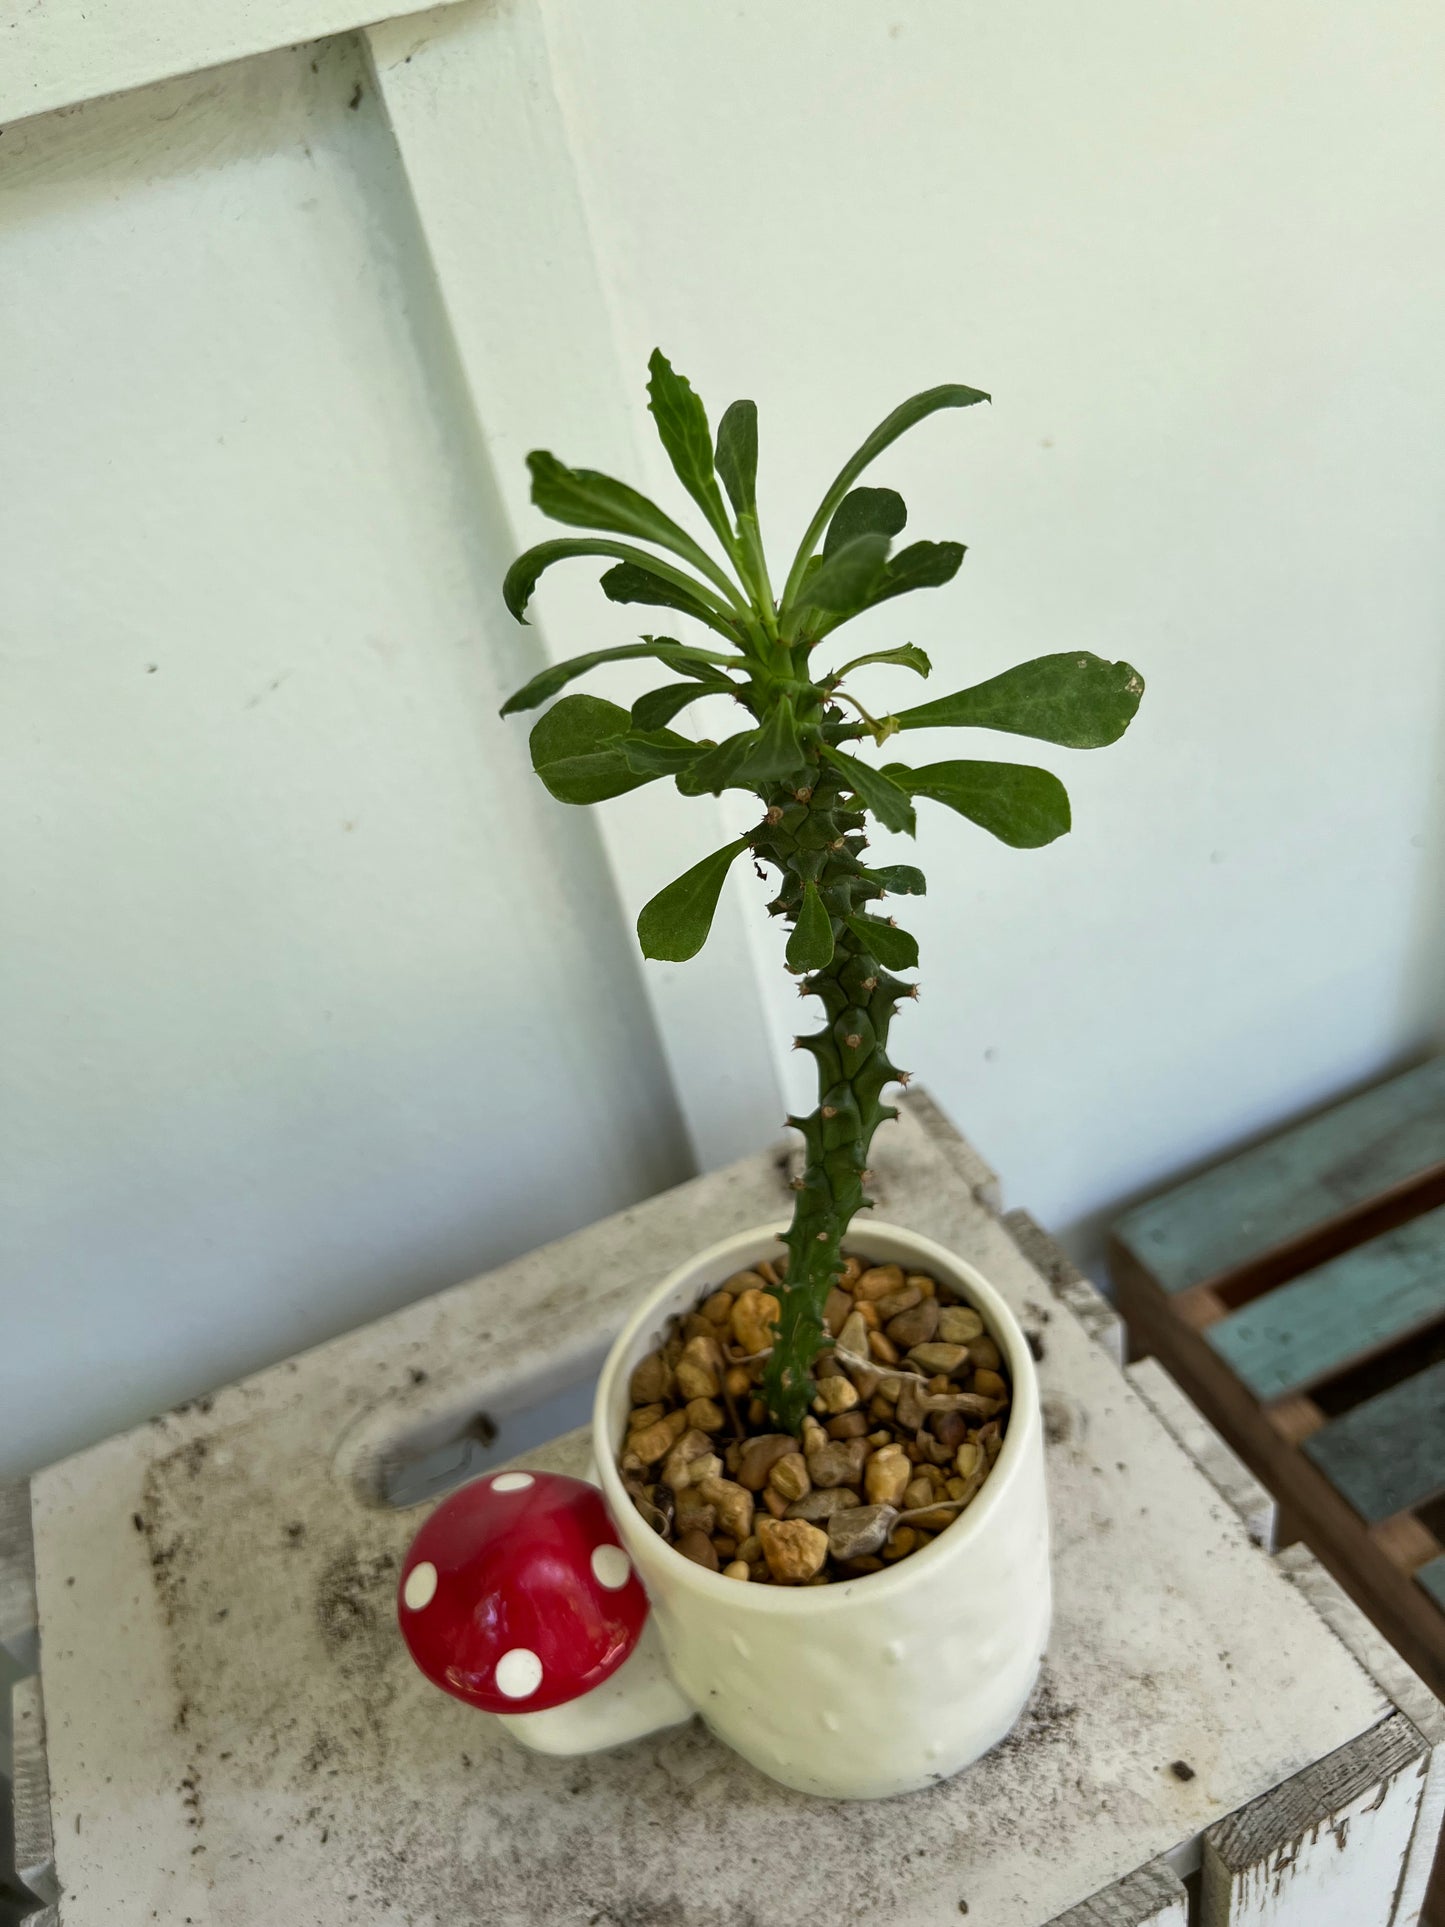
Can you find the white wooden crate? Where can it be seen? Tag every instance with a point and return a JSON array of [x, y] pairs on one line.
[[236, 1737]]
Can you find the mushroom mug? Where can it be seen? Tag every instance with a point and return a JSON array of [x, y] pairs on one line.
[[860, 1689]]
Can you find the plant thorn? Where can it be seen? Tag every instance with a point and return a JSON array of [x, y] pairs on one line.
[[830, 1110], [852, 1040], [775, 814], [803, 795]]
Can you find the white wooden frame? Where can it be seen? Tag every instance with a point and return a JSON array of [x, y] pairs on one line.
[[468, 91]]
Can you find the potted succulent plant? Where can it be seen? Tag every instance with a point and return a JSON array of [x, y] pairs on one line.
[[822, 1465]]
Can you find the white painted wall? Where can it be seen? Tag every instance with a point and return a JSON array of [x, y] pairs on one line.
[[313, 1001], [1194, 252]]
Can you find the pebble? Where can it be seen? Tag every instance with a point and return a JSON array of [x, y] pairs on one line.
[[753, 1318], [938, 1358], [888, 1475], [694, 1514], [854, 1336], [924, 1283], [879, 1281], [959, 1325], [968, 1458], [950, 1429], [822, 1505], [836, 1395], [837, 1309], [790, 1476], [901, 1541], [990, 1384], [699, 1369], [760, 1455], [860, 1531], [690, 1445], [882, 1348], [919, 1493], [651, 1380], [717, 1309], [984, 1352], [775, 1502], [736, 1569], [838, 1462], [699, 1548], [794, 1550], [915, 1327], [848, 1425], [658, 1440], [705, 1415], [897, 1302], [734, 1505], [737, 1381]]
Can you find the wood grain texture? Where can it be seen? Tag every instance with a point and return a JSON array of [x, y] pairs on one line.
[[1153, 1896], [1302, 1332], [1294, 1184], [1432, 1577], [1224, 1469], [1085, 1301], [1410, 1695], [1389, 1453], [1409, 1618], [1329, 1845], [17, 1573], [68, 51], [34, 1830]]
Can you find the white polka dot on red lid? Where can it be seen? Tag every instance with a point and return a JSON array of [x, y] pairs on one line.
[[512, 1482], [611, 1567], [421, 1585], [519, 1673]]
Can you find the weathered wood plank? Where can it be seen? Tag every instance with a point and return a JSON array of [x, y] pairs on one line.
[[1283, 1190], [1350, 1548], [1432, 1578], [1225, 1471], [1389, 1453], [1410, 1695], [1089, 1305], [1357, 1303], [1154, 1896], [17, 1574], [34, 1832], [1329, 1845]]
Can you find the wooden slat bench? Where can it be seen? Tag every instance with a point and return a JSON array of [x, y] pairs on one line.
[[1297, 1294]]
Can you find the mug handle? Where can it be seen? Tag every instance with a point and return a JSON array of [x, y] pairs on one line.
[[640, 1698]]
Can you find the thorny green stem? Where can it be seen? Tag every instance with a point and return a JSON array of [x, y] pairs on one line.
[[817, 838]]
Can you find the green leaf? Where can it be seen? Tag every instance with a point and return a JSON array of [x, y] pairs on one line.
[[893, 948], [1020, 805], [922, 565], [865, 511], [656, 752], [846, 579], [904, 417], [548, 681], [777, 751], [629, 582], [902, 879], [525, 572], [589, 500], [737, 456], [1076, 699], [572, 754], [753, 756], [682, 428], [876, 791], [674, 926], [908, 655], [810, 947], [658, 707]]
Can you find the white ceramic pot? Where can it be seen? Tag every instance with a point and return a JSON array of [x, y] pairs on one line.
[[867, 1687]]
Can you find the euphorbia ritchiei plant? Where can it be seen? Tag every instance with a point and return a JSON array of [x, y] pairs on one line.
[[803, 751]]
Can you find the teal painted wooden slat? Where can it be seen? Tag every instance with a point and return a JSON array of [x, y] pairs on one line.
[[1305, 1330], [1265, 1197], [1389, 1453], [1432, 1578]]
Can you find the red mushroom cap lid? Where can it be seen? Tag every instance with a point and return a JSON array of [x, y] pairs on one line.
[[516, 1595]]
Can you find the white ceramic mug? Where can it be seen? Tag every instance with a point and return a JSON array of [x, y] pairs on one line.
[[863, 1688]]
